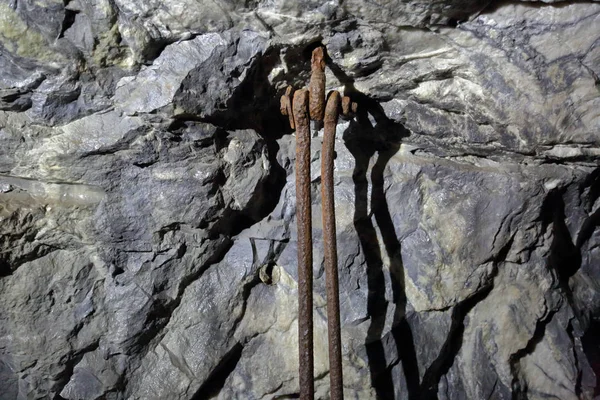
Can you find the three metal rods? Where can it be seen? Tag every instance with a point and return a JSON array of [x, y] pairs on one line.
[[306, 105]]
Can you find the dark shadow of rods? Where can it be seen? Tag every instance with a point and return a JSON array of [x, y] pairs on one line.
[[365, 139]]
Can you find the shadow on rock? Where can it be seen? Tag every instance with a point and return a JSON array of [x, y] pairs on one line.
[[375, 135]]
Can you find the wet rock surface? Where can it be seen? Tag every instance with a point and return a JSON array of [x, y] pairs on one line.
[[147, 199]]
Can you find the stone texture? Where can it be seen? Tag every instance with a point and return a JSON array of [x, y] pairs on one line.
[[147, 199]]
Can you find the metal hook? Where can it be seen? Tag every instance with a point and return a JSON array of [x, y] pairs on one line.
[[306, 105]]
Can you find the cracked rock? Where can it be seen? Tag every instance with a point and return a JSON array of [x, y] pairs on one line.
[[148, 243]]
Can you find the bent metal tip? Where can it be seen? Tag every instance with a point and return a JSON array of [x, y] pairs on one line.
[[317, 84]]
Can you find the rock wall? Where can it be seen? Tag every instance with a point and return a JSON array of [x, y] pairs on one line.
[[147, 205]]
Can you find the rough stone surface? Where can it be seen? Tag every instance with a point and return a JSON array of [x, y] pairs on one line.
[[147, 198]]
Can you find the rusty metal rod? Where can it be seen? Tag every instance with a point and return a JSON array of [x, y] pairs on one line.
[[285, 105], [317, 84], [330, 247], [305, 260], [306, 105]]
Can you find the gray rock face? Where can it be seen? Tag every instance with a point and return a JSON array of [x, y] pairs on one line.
[[147, 199]]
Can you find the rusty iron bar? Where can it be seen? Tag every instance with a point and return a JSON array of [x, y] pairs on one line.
[[305, 259], [300, 108], [316, 86], [348, 106], [285, 106], [330, 247]]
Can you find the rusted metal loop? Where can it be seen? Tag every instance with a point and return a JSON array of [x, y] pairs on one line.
[[285, 105], [349, 107]]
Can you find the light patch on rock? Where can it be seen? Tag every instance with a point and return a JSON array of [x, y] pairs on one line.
[[155, 86]]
